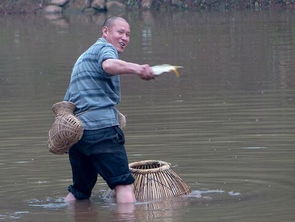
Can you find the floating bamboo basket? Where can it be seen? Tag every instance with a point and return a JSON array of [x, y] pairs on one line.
[[66, 129], [154, 180]]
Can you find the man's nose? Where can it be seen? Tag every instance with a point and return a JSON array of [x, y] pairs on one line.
[[125, 37]]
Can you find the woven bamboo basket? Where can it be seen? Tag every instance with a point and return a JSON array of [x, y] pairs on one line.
[[66, 129], [154, 180]]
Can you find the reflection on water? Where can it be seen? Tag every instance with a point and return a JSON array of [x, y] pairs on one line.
[[226, 125], [141, 211]]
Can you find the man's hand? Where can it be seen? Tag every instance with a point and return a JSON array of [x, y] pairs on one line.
[[145, 72]]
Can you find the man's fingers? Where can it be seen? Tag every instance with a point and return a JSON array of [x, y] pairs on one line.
[[146, 73]]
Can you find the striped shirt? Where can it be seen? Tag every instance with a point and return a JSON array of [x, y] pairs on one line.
[[95, 92]]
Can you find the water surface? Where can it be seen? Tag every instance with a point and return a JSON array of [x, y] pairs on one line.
[[226, 124]]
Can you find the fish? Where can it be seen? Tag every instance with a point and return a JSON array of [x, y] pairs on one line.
[[164, 68]]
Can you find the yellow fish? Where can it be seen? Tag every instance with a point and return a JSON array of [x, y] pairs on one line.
[[160, 69]]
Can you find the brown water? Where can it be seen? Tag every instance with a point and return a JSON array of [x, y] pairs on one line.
[[226, 125]]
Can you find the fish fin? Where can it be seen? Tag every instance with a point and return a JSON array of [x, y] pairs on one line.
[[175, 70]]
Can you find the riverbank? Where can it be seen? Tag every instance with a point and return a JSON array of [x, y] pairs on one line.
[[59, 6]]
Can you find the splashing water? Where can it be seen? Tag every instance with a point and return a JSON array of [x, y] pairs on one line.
[[49, 203]]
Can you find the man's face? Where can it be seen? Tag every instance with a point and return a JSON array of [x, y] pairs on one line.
[[117, 34]]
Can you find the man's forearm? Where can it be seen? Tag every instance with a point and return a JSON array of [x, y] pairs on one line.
[[119, 67]]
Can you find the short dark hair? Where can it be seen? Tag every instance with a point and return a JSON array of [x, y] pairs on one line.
[[110, 21]]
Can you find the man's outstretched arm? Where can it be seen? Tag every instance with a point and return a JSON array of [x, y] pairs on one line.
[[120, 67]]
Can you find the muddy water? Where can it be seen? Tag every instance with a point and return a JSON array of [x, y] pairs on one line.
[[226, 124]]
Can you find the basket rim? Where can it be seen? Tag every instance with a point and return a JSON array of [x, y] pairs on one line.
[[163, 166], [63, 104]]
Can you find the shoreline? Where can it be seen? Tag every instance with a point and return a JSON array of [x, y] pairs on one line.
[[60, 6]]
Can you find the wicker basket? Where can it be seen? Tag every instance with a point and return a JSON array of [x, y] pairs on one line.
[[154, 180], [66, 129]]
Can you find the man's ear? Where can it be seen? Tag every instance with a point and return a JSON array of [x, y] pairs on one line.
[[105, 31]]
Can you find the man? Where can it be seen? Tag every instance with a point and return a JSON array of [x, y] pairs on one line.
[[95, 90]]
